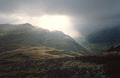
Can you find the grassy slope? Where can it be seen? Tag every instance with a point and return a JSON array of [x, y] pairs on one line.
[[34, 53], [52, 68], [104, 65], [23, 35], [27, 59]]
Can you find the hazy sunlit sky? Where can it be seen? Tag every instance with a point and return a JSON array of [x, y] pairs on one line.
[[73, 17]]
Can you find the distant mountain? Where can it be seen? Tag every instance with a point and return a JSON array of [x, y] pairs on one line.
[[101, 40], [25, 40]]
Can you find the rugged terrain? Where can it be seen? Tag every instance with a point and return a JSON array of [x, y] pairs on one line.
[[30, 52], [102, 65], [24, 41]]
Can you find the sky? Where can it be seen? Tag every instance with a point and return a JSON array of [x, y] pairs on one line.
[[73, 17]]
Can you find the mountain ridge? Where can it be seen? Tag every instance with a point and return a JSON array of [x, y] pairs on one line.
[[21, 38]]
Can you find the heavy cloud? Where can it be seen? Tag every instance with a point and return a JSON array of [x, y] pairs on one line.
[[87, 15]]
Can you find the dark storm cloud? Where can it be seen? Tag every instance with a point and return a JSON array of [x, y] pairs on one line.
[[88, 15]]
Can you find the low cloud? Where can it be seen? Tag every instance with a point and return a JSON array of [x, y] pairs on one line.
[[87, 15]]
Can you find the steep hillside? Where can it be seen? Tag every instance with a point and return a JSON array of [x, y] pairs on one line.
[[30, 52], [101, 40], [110, 36], [29, 41]]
